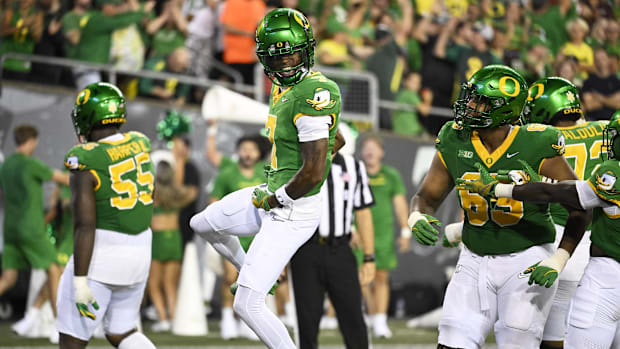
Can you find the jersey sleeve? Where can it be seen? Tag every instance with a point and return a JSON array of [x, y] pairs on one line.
[[40, 170], [604, 182], [318, 97], [547, 142], [442, 141], [78, 158]]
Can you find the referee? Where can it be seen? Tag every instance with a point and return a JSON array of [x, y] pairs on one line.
[[326, 263]]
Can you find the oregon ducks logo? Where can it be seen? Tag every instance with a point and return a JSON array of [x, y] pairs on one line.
[[502, 86], [539, 92], [83, 97], [606, 182]]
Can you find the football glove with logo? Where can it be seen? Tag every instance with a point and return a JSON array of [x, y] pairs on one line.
[[422, 228]]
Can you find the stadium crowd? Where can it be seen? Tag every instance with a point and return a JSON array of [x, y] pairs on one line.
[[420, 50]]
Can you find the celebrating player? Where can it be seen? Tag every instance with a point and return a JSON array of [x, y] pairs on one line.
[[302, 123], [502, 238], [555, 101], [111, 186], [592, 320]]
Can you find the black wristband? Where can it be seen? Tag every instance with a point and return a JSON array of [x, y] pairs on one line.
[[369, 258]]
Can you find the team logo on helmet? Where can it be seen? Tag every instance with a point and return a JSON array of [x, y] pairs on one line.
[[570, 96]]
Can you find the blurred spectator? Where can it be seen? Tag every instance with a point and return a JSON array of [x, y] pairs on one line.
[[186, 174], [388, 60], [169, 30], [239, 21], [601, 91], [591, 10], [128, 46], [467, 59], [167, 244], [407, 123], [552, 19], [612, 39], [203, 39], [437, 74], [534, 64], [333, 50], [51, 43], [88, 33], [567, 69], [177, 62], [598, 35], [22, 27], [576, 47]]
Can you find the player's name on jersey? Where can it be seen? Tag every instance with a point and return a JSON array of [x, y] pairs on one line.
[[126, 150], [584, 133]]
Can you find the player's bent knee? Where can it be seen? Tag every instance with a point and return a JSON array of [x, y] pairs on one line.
[[130, 340]]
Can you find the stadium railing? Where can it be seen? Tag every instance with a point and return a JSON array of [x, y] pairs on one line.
[[360, 94]]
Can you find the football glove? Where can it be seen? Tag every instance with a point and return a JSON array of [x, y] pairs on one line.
[[483, 185], [518, 177], [84, 297], [422, 228], [260, 199], [545, 272]]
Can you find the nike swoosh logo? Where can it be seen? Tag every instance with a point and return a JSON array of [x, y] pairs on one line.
[[508, 155]]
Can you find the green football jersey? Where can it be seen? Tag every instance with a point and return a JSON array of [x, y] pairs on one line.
[[315, 95], [124, 172], [606, 221], [386, 184], [504, 225], [584, 144]]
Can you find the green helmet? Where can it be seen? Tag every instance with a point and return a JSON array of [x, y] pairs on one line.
[[282, 32], [98, 104], [610, 135], [552, 99], [493, 96]]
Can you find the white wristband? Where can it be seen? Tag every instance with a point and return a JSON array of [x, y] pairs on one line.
[[557, 261], [504, 190], [414, 217], [283, 197], [405, 232], [212, 130], [454, 232], [80, 283]]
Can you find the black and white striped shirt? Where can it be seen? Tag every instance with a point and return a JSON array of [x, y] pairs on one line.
[[345, 189]]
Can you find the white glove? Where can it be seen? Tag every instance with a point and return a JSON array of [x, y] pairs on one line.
[[84, 296]]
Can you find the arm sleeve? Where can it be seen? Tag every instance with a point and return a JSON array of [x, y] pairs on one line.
[[40, 170], [587, 196], [363, 194], [399, 186], [312, 128]]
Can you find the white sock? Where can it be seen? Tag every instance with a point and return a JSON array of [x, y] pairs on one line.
[[136, 340], [32, 313], [226, 245], [379, 319], [227, 314], [250, 306]]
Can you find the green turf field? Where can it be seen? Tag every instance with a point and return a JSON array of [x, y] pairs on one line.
[[403, 338]]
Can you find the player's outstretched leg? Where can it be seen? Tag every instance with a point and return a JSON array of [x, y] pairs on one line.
[[220, 221], [250, 306]]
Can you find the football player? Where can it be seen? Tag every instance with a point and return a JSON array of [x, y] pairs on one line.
[[555, 101], [593, 319], [501, 238], [111, 189], [283, 214]]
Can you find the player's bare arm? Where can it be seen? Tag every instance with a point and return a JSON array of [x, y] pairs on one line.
[[83, 202], [578, 218], [564, 193], [436, 186], [310, 174], [366, 232]]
